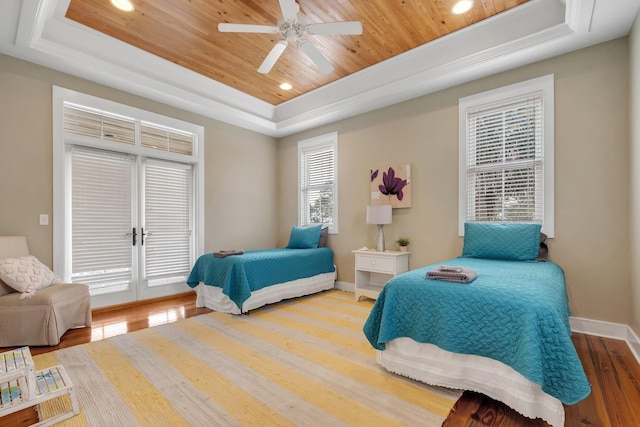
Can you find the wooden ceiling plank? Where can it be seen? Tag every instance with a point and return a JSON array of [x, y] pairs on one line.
[[185, 32]]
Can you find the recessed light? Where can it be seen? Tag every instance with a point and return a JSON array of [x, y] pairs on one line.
[[286, 86], [125, 5], [462, 6]]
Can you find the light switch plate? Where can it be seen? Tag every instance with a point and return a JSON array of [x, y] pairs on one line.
[[44, 219]]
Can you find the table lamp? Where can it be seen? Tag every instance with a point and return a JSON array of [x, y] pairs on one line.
[[379, 215]]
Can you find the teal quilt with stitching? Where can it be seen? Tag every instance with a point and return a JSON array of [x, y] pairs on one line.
[[239, 275], [514, 312]]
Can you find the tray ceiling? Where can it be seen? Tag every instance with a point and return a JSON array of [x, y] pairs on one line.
[[185, 33], [170, 50]]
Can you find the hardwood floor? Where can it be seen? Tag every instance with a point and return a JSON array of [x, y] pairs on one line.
[[609, 364]]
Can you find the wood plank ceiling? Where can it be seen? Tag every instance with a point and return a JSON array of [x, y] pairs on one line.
[[185, 33]]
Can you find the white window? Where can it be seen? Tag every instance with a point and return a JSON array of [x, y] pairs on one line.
[[318, 181], [128, 191], [506, 155]]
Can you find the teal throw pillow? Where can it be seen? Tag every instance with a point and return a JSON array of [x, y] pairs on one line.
[[509, 241], [304, 237]]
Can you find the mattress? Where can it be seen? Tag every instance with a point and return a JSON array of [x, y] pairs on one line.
[[432, 365]]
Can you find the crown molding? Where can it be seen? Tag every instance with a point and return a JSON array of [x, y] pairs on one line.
[[536, 30]]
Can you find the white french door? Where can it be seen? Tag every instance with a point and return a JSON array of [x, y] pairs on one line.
[[128, 191], [166, 230], [131, 225], [103, 216]]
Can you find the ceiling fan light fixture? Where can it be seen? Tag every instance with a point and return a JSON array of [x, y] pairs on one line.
[[286, 86], [462, 6], [124, 5], [294, 31]]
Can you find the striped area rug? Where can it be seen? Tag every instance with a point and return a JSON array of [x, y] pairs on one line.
[[300, 362]]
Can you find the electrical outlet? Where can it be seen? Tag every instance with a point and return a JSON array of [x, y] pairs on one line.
[[44, 219]]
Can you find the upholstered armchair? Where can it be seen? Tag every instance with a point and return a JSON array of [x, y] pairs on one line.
[[43, 316]]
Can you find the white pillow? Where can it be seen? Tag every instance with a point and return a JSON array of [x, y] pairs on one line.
[[26, 274]]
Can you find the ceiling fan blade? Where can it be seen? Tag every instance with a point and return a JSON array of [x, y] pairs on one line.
[[335, 28], [273, 56], [318, 58], [246, 28], [289, 9]]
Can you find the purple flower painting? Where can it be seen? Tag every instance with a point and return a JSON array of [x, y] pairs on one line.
[[392, 186]]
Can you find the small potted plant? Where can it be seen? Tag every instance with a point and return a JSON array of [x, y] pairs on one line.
[[403, 242]]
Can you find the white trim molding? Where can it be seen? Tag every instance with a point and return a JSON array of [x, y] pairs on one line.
[[38, 31], [600, 328], [345, 286]]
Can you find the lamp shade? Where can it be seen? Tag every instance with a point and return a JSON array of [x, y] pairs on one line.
[[379, 214]]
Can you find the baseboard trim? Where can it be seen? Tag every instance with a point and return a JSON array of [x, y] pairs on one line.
[[607, 330], [345, 286]]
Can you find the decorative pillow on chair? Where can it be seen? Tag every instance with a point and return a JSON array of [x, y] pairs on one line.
[[509, 241], [304, 237], [26, 274]]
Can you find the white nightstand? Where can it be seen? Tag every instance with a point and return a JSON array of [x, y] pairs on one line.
[[375, 269]]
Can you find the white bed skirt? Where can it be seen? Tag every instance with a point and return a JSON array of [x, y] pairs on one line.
[[213, 298], [432, 365]]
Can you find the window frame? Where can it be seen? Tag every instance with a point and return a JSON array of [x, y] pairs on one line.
[[62, 142], [489, 100], [325, 141]]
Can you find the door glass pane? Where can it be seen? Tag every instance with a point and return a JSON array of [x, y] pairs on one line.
[[101, 220], [167, 219]]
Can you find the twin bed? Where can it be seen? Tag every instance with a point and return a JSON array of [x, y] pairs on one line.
[[240, 283], [505, 334]]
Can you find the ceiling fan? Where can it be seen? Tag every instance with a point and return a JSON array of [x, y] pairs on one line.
[[294, 31]]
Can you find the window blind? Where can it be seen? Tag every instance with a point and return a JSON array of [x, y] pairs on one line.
[[165, 139], [98, 124], [317, 179], [101, 219], [85, 121], [167, 217], [505, 161]]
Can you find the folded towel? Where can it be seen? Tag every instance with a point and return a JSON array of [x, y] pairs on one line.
[[222, 254], [450, 268], [451, 274]]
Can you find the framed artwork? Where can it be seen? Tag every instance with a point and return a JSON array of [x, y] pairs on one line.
[[391, 185]]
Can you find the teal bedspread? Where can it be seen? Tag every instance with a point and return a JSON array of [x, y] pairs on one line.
[[515, 312], [239, 275]]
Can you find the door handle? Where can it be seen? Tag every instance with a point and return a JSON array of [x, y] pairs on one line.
[[133, 235], [142, 234]]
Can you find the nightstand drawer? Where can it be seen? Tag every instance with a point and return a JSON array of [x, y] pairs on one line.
[[373, 263], [374, 269]]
